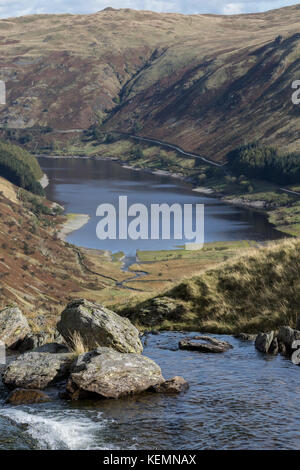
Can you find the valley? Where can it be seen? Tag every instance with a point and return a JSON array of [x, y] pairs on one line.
[[107, 340]]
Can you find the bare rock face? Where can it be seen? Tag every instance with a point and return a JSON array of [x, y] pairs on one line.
[[36, 370], [263, 341], [175, 385], [22, 396], [99, 327], [105, 373], [205, 344], [13, 327]]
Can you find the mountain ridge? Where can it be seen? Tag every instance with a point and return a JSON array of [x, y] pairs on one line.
[[207, 83]]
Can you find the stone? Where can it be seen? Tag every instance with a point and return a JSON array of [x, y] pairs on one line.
[[105, 373], [282, 348], [32, 341], [21, 396], [52, 348], [263, 341], [98, 326], [13, 327], [286, 337], [175, 385], [34, 370], [246, 337], [274, 347], [205, 344]]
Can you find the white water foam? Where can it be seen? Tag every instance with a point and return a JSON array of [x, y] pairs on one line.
[[60, 429]]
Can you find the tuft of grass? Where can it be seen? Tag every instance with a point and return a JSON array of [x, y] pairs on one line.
[[77, 344]]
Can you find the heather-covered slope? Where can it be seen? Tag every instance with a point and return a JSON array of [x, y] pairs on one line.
[[208, 83]]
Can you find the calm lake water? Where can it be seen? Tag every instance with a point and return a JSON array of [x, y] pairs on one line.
[[241, 399], [82, 184]]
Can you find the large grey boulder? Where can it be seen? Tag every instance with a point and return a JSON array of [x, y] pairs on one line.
[[13, 327], [98, 327], [263, 341], [36, 370], [109, 374]]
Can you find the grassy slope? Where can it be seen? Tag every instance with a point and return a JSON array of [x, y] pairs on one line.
[[258, 291]]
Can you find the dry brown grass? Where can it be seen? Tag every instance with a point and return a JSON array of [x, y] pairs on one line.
[[76, 344]]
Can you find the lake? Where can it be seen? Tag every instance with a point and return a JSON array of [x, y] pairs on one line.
[[82, 184]]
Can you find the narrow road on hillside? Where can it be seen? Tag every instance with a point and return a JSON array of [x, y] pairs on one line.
[[290, 191], [153, 141], [171, 146]]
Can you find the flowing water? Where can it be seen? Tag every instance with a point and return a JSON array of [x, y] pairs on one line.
[[237, 400]]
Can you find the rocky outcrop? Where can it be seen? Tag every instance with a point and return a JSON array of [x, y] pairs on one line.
[[36, 370], [105, 373], [286, 338], [263, 341], [13, 327], [98, 326], [283, 342], [175, 385], [22, 396], [204, 344], [33, 341]]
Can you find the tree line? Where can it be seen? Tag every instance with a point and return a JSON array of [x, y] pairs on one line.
[[259, 161], [20, 168]]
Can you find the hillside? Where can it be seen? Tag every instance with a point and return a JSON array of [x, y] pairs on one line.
[[38, 271], [20, 167], [257, 292], [207, 83]]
